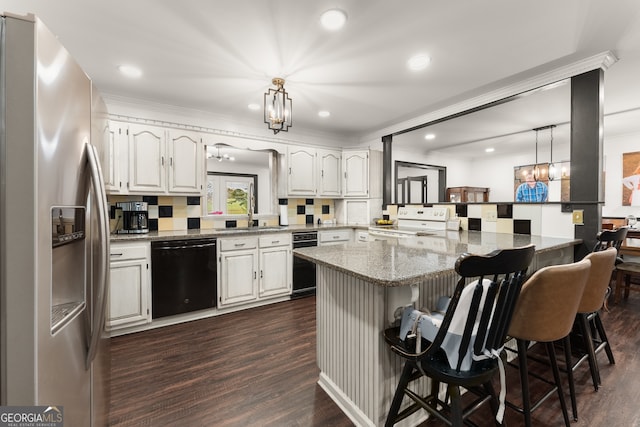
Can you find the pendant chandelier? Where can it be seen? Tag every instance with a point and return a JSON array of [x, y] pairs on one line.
[[536, 168], [552, 167], [537, 171], [277, 107]]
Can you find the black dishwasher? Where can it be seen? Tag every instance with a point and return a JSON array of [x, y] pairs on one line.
[[183, 276]]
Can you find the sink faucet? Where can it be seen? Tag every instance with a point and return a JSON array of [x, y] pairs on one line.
[[250, 203]]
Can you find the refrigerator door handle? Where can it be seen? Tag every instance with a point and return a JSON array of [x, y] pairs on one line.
[[99, 305]]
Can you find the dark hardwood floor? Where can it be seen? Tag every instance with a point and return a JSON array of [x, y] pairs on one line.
[[257, 368]]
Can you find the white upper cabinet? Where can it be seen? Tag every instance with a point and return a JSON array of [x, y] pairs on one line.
[[362, 173], [186, 162], [147, 145], [153, 160], [301, 179], [113, 162], [330, 173], [310, 172]]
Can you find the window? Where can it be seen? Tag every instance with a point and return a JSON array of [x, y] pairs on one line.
[[228, 194]]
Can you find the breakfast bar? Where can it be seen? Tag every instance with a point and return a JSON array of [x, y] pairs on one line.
[[361, 285]]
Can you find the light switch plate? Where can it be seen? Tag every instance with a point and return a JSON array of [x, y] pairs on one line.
[[576, 217]]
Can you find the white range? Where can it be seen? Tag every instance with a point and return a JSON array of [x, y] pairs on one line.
[[415, 221]]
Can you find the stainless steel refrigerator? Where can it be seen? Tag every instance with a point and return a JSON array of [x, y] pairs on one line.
[[54, 235]]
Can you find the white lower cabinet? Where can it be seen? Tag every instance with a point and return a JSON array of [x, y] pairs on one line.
[[129, 290], [237, 271], [253, 268], [276, 265]]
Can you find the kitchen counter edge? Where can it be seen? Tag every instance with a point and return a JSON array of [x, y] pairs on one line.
[[227, 232]]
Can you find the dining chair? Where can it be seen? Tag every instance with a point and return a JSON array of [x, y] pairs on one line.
[[625, 270], [544, 313], [607, 239], [625, 273], [463, 347], [611, 238]]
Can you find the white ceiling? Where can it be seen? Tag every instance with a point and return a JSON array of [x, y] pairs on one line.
[[218, 57]]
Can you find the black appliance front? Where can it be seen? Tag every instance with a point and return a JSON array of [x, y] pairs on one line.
[[304, 272], [183, 276]]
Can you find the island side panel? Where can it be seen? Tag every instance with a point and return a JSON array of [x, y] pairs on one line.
[[358, 370], [349, 320]]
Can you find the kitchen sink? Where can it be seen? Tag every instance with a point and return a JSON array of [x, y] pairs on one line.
[[264, 228]]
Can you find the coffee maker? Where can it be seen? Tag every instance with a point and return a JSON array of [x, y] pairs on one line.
[[135, 217]]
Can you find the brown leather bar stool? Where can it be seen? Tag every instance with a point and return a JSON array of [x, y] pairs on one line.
[[544, 313], [588, 317], [602, 264]]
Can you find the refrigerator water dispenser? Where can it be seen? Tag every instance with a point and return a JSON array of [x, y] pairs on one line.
[[68, 264]]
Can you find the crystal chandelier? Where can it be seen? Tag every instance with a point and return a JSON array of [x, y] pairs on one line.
[[220, 157], [277, 107]]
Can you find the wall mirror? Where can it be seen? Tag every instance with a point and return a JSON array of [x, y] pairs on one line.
[[481, 147], [230, 171], [418, 183]]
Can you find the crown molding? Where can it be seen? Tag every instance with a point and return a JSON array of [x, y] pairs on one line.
[[142, 111]]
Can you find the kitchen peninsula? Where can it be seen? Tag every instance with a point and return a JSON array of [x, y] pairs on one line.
[[359, 289]]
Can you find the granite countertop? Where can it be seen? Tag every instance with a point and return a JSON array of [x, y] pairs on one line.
[[405, 261], [225, 232]]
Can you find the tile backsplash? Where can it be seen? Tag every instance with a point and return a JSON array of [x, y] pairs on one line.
[[185, 213], [539, 219], [165, 212], [308, 211]]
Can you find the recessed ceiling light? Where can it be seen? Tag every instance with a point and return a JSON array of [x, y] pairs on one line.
[[489, 150], [324, 113], [333, 19], [419, 62], [253, 107], [130, 71], [429, 136]]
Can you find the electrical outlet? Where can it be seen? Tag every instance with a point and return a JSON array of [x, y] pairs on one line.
[[577, 217]]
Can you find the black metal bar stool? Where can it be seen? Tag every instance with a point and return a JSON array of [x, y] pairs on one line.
[[461, 349]]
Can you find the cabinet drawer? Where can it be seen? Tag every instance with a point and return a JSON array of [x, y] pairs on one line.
[[282, 239], [362, 236], [334, 236], [119, 252], [238, 243]]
